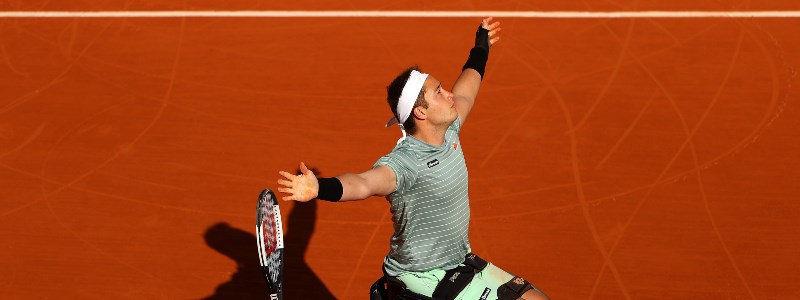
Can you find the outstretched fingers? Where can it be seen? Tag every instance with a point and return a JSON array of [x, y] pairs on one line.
[[285, 183], [286, 191], [493, 28], [288, 185], [287, 175], [485, 22]]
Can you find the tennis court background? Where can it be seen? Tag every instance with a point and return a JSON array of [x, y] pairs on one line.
[[609, 158]]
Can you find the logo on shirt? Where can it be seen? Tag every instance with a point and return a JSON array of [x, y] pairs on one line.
[[485, 293], [433, 163], [455, 146]]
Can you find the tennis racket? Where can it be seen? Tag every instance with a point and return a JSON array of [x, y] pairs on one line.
[[269, 235]]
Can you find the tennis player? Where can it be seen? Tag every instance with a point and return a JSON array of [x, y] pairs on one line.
[[425, 180]]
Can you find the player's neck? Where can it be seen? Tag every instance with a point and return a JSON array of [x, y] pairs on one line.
[[431, 135]]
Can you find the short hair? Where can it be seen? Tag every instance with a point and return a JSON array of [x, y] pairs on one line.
[[393, 92]]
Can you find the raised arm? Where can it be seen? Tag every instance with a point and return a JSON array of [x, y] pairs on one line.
[[379, 181], [465, 90]]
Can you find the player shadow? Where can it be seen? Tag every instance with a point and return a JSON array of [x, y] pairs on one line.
[[300, 281]]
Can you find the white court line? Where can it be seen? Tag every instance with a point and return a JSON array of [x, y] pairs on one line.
[[399, 14]]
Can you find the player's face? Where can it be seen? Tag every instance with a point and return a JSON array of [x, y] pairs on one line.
[[441, 107]]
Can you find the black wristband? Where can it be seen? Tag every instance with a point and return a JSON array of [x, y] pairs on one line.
[[482, 38], [477, 60], [330, 189]]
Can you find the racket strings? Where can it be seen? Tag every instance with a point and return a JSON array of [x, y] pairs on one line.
[[268, 229]]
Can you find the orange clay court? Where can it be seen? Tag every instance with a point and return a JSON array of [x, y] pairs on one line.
[[631, 158]]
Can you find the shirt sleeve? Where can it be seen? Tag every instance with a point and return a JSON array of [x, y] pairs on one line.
[[405, 175], [456, 126]]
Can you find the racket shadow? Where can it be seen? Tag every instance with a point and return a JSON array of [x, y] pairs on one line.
[[299, 281]]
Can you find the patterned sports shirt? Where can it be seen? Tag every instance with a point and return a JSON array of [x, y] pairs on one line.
[[430, 207]]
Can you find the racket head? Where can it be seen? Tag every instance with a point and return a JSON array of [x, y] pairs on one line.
[[269, 236]]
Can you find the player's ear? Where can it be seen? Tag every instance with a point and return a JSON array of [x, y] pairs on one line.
[[419, 113]]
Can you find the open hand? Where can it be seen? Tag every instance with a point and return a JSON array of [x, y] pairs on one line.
[[493, 29], [303, 187]]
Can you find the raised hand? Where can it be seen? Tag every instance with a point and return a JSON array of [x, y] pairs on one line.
[[303, 187], [487, 33]]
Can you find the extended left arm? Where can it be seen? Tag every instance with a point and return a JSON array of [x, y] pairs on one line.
[[468, 83]]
